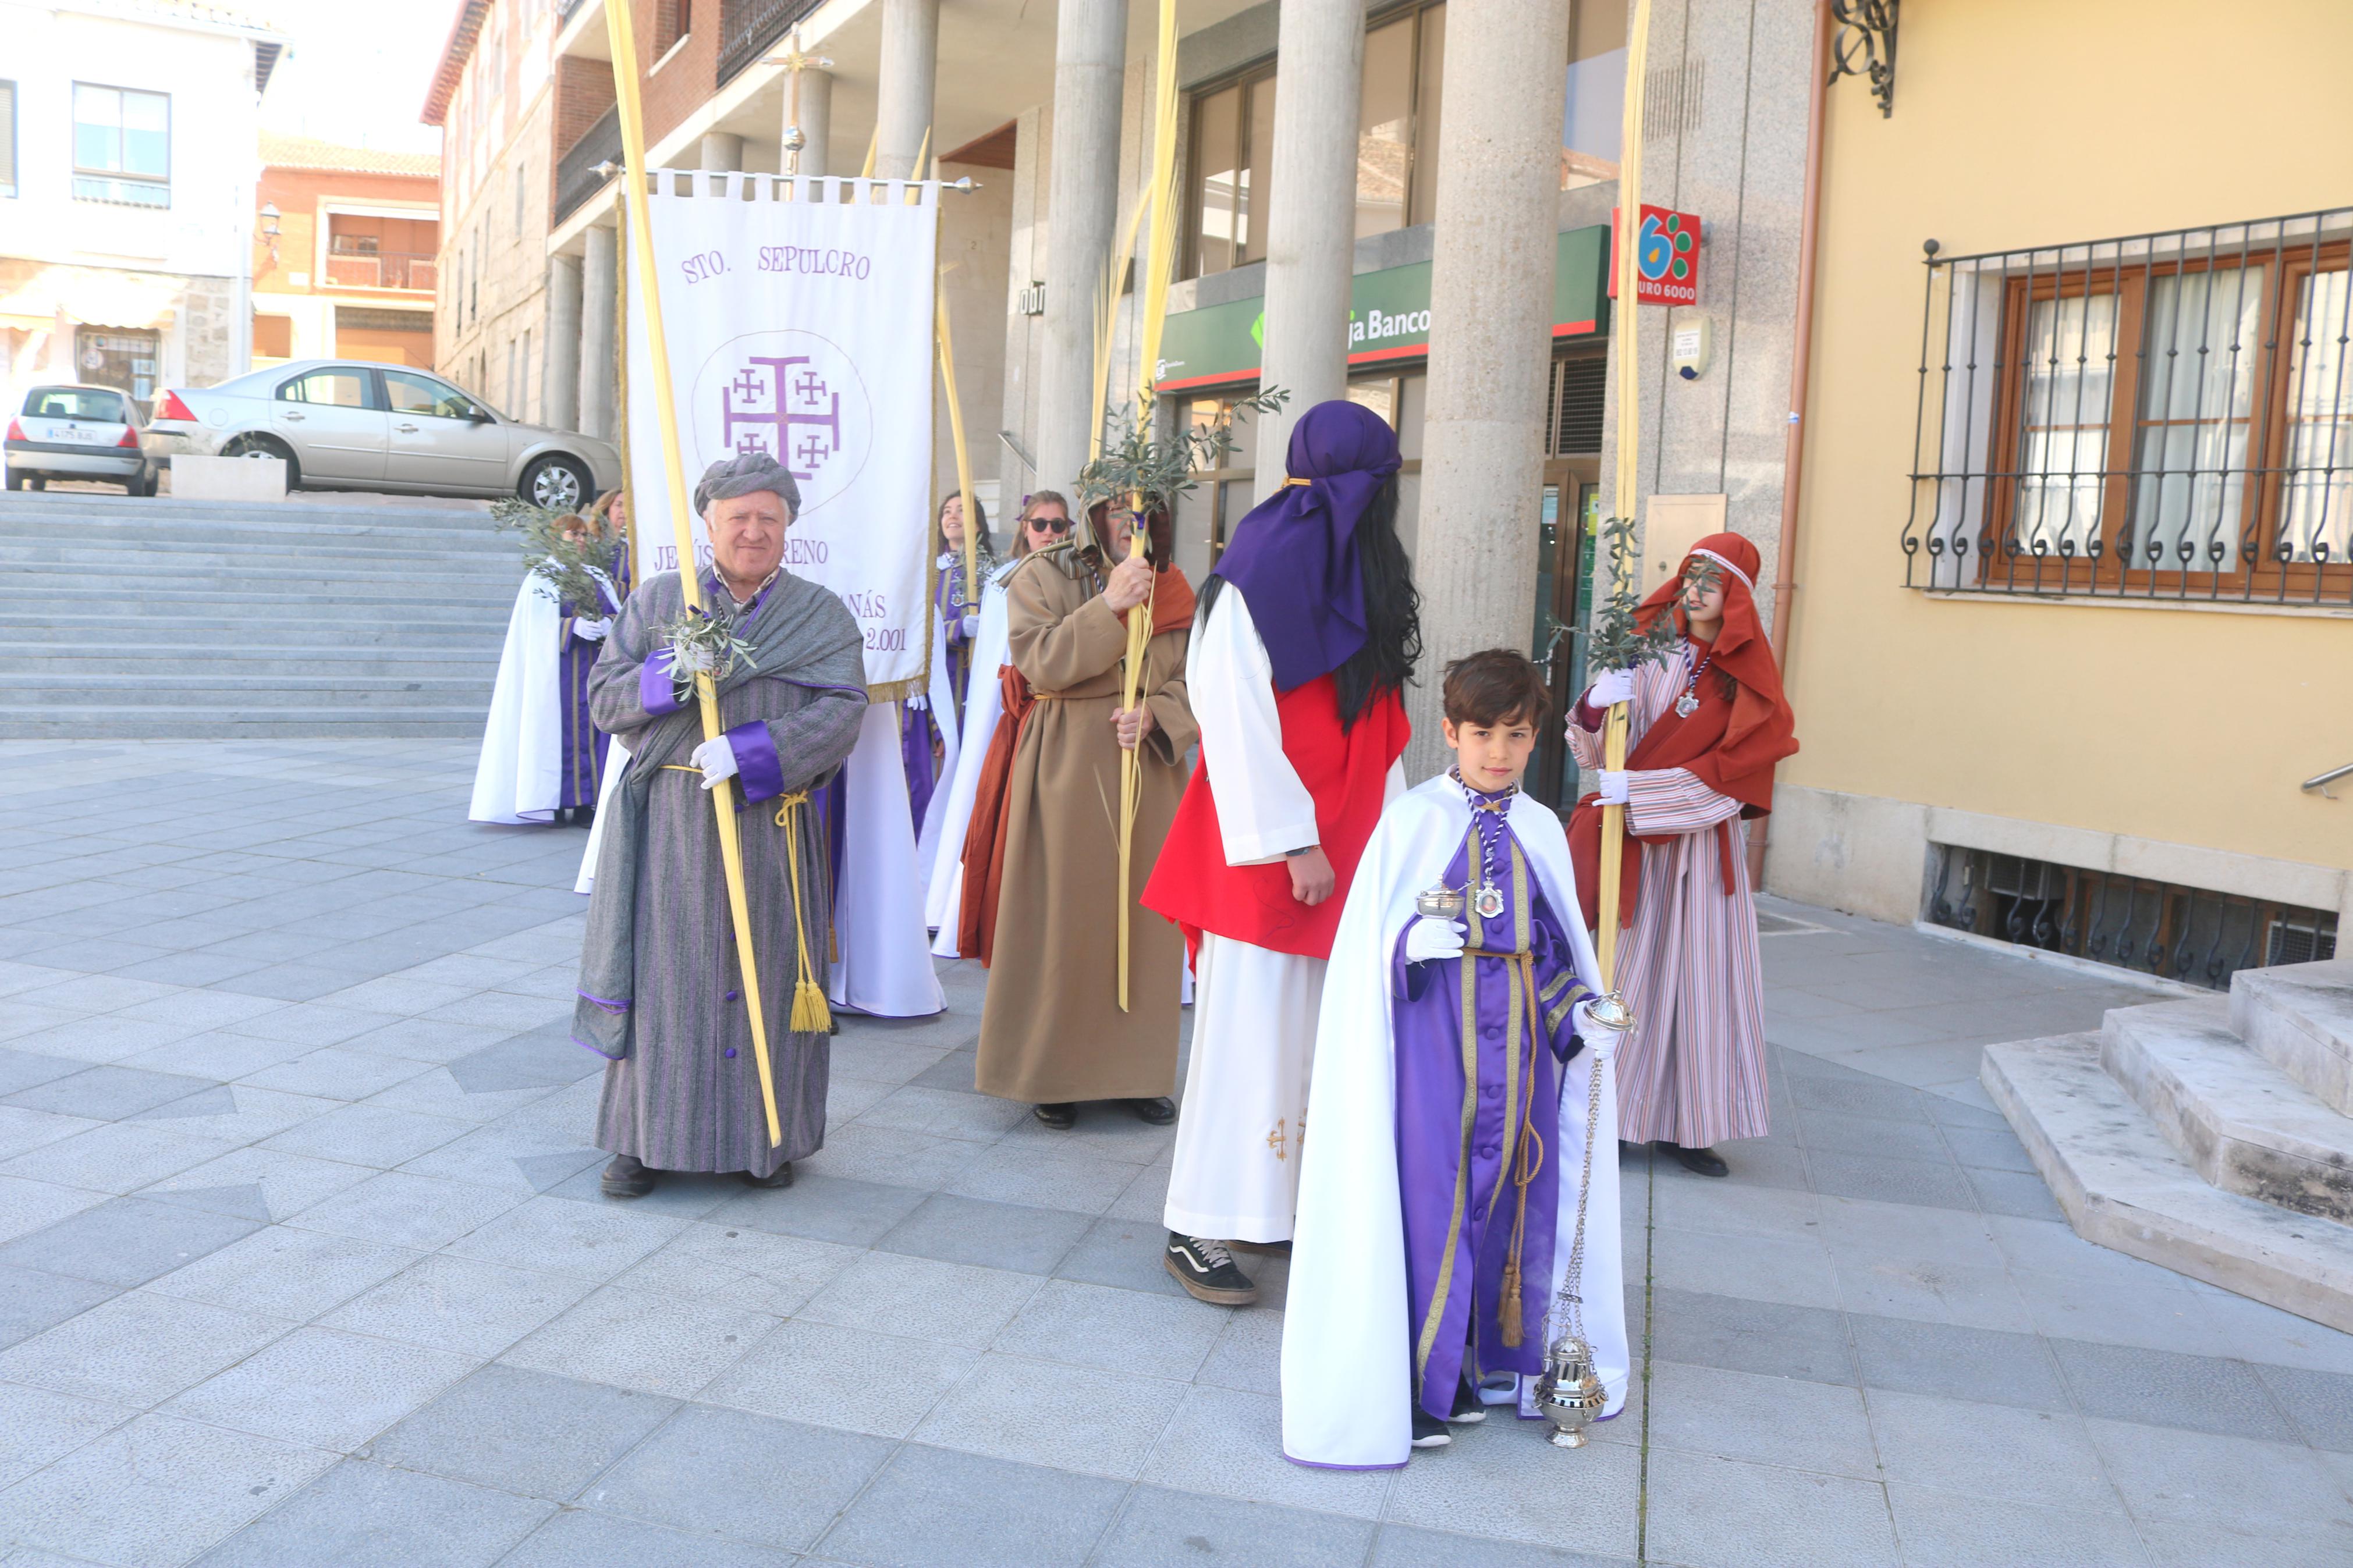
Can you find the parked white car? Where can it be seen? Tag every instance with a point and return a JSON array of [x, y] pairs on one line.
[[69, 431], [353, 424]]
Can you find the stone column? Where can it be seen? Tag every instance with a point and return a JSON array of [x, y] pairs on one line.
[[816, 121], [907, 68], [722, 153], [599, 362], [1082, 215], [561, 399], [1491, 293], [1311, 231]]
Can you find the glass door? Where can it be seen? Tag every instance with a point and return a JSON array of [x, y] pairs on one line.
[[1567, 524]]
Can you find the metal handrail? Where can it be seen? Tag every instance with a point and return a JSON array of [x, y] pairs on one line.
[[2322, 781]]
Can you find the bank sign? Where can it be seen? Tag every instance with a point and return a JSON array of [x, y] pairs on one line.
[[1389, 318], [1666, 257]]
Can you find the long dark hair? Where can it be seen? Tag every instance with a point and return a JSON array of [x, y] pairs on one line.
[[1392, 612]]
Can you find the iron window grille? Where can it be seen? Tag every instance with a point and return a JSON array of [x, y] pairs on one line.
[[2167, 414], [2181, 933]]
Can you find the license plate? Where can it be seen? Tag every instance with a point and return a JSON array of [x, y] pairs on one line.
[[72, 432]]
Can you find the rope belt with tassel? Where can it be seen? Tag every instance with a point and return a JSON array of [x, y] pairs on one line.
[[811, 1014]]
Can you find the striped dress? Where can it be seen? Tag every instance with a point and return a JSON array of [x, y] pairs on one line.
[[1692, 1071]]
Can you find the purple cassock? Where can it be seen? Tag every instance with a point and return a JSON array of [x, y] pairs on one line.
[[582, 771], [919, 732], [1479, 1043]]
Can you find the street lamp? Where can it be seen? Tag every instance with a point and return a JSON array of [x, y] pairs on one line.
[[269, 216]]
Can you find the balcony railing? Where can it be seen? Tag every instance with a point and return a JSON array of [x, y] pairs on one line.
[[749, 28], [407, 270], [576, 178]]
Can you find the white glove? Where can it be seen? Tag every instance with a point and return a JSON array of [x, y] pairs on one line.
[[1427, 939], [694, 660], [1610, 688], [593, 631], [716, 758], [971, 628], [1612, 786], [1601, 1042]]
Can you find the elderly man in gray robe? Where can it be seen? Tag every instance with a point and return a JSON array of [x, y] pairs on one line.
[[661, 992]]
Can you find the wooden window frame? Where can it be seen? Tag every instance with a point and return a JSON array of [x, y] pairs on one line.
[[2262, 495]]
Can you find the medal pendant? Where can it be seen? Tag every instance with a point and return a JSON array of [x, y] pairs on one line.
[[1489, 902], [1686, 705]]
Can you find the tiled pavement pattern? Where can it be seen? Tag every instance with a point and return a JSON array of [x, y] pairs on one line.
[[305, 1265]]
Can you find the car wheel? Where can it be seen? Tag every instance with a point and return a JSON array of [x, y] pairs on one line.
[[146, 485], [34, 483], [558, 484], [16, 481], [264, 446]]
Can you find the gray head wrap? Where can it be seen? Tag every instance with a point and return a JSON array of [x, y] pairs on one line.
[[747, 473]]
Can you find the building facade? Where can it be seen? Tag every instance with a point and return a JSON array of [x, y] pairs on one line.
[[345, 252], [2074, 616], [126, 191], [493, 96]]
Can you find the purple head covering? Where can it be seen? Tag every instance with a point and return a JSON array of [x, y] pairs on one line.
[[1293, 557]]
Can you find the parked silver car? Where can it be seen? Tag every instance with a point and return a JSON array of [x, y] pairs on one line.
[[352, 425], [69, 431]]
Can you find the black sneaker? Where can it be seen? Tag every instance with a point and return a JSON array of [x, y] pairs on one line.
[[626, 1177], [1059, 1115], [782, 1176], [1467, 1411], [1207, 1271], [1428, 1431], [1158, 1111]]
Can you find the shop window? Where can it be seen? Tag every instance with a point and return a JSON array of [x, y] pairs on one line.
[[124, 361], [122, 145], [2169, 414], [1591, 126]]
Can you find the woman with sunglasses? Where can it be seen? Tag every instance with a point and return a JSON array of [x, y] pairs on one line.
[[1045, 518]]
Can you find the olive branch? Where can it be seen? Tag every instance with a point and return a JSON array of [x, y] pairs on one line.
[[560, 557], [698, 637], [1134, 464], [1619, 640]]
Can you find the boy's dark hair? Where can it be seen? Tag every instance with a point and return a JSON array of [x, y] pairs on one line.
[[1493, 687]]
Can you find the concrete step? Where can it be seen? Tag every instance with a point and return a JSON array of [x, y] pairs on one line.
[[185, 721], [422, 579], [413, 599], [39, 662], [108, 553], [2121, 1185], [217, 636], [2299, 1017], [226, 684], [2243, 1125], [162, 510]]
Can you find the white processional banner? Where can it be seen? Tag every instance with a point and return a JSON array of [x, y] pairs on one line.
[[801, 327]]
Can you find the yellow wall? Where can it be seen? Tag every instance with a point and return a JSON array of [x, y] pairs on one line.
[[2022, 122]]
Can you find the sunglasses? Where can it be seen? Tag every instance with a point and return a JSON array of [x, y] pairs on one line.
[[1049, 524]]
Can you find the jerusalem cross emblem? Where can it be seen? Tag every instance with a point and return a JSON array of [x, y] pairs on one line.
[[784, 405]]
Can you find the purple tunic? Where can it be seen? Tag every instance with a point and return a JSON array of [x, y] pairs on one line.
[[584, 744], [1474, 1121]]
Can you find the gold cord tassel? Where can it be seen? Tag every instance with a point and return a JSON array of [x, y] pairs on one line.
[[811, 1015]]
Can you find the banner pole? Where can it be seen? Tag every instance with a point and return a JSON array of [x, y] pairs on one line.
[[963, 461], [620, 32]]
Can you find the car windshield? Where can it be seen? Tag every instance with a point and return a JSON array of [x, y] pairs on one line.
[[76, 403]]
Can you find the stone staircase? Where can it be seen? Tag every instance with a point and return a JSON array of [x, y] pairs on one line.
[[2213, 1136], [128, 619]]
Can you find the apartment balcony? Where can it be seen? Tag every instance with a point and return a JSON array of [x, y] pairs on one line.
[[405, 271], [749, 28]]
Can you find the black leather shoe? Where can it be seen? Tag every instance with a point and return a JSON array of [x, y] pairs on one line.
[[1159, 1110], [782, 1176], [626, 1177], [1699, 1162], [1059, 1115]]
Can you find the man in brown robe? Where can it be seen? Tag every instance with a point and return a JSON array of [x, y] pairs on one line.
[[1051, 1031]]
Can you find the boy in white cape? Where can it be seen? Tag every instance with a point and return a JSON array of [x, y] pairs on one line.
[[1438, 1198]]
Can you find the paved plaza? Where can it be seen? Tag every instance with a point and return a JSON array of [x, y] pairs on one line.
[[302, 1262]]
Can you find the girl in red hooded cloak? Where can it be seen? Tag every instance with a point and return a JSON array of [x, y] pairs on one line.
[[1708, 723]]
